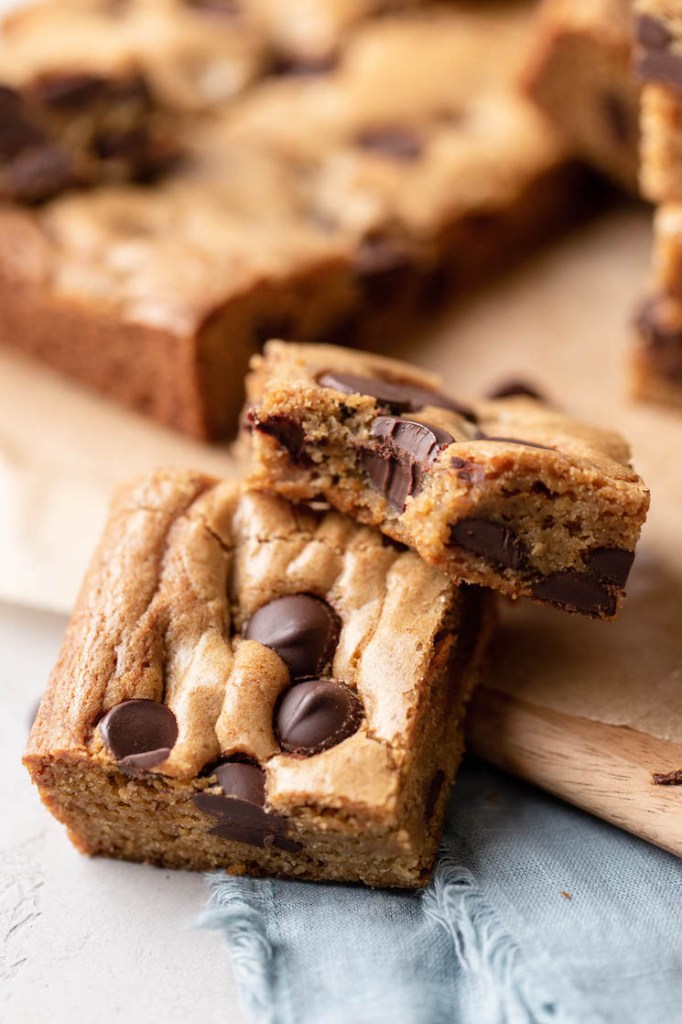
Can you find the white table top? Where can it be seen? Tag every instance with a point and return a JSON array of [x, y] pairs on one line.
[[85, 939]]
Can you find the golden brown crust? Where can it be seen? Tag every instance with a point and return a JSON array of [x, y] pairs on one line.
[[184, 563]]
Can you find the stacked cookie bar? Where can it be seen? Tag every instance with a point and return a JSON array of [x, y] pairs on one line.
[[657, 365], [294, 182], [271, 676]]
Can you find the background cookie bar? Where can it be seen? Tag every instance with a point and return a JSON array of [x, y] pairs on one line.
[[656, 370], [658, 62], [89, 87], [580, 74], [422, 177], [507, 493], [257, 686]]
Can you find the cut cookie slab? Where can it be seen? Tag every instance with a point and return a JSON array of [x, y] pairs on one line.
[[507, 493], [252, 685], [580, 73]]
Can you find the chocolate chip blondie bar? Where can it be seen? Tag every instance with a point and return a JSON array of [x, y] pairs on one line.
[[507, 493], [419, 179], [580, 74], [253, 685], [90, 90], [658, 61]]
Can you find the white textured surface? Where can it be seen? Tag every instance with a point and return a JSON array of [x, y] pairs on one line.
[[80, 939]]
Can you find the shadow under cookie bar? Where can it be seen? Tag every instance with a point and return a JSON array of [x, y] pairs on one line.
[[506, 493], [258, 687]]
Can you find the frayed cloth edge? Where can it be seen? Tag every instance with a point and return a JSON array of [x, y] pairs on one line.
[[244, 928]]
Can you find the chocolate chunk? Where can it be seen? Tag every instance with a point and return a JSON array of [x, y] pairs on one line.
[[576, 592], [515, 389], [384, 267], [396, 396], [659, 66], [651, 32], [392, 141], [316, 715], [240, 806], [39, 173], [139, 733], [494, 541], [405, 453], [468, 471], [611, 565], [673, 778], [286, 432], [433, 794], [17, 134], [302, 629], [67, 92]]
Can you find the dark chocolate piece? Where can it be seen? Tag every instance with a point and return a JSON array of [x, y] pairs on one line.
[[406, 451], [139, 733], [673, 778], [398, 397], [241, 807], [659, 66], [39, 172], [515, 389], [286, 432], [67, 91], [651, 32], [576, 592], [316, 715], [392, 141], [612, 565], [493, 541], [302, 629]]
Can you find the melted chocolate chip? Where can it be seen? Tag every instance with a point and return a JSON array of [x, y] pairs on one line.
[[575, 592], [515, 389], [392, 141], [68, 92], [240, 807], [659, 65], [651, 32], [17, 134], [303, 630], [286, 432], [139, 733], [316, 715], [405, 453], [611, 565], [493, 541], [396, 396], [39, 172]]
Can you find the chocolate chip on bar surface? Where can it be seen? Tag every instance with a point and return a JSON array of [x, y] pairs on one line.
[[269, 689], [505, 492]]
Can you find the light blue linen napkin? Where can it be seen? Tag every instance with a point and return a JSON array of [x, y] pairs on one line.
[[536, 913]]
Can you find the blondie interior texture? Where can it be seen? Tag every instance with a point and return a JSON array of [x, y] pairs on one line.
[[580, 73], [252, 685], [507, 493], [398, 182]]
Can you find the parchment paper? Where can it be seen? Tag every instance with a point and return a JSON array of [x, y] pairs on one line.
[[561, 321]]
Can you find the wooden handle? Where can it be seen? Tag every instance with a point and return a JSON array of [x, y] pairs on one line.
[[604, 769]]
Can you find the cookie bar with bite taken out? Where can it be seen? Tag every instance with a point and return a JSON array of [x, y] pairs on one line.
[[507, 493]]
